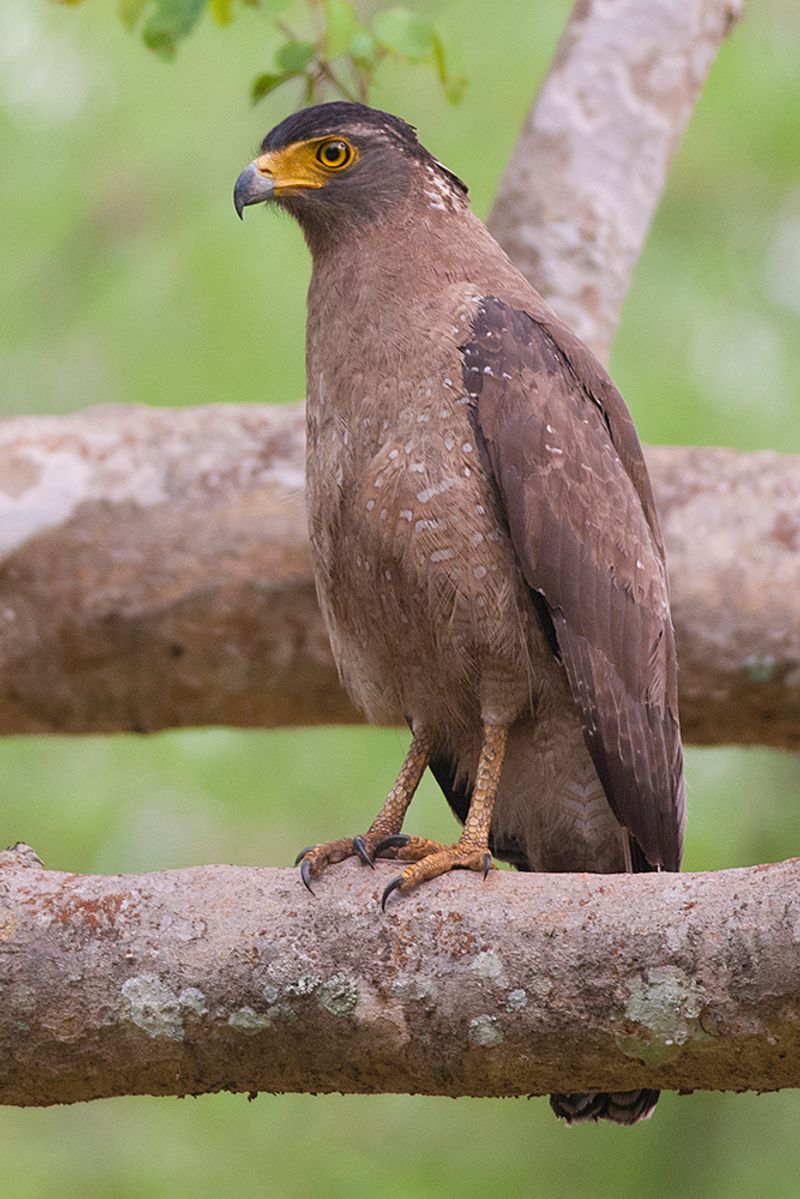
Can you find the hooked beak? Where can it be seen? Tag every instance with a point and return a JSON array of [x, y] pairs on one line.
[[252, 187]]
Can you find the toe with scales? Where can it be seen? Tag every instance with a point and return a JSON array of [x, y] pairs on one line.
[[366, 846], [441, 861], [383, 838], [471, 851]]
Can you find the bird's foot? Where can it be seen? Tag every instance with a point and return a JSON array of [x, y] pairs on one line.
[[435, 860], [367, 847]]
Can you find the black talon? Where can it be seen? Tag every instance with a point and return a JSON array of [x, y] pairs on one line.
[[305, 874], [303, 853], [487, 865], [362, 851], [393, 885], [398, 841]]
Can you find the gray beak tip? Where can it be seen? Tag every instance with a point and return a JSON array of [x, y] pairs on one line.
[[252, 187]]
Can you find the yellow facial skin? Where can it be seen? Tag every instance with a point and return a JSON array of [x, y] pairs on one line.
[[308, 164]]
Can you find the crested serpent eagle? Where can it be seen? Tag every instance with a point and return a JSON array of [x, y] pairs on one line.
[[486, 548]]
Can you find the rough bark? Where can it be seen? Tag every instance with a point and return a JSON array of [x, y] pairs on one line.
[[155, 573], [588, 170], [224, 978]]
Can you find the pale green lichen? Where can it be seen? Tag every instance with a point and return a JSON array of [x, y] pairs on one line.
[[485, 1031], [248, 1021], [408, 987], [306, 984], [193, 1000], [666, 1004], [153, 1007], [338, 995], [487, 964], [759, 669], [281, 1011], [516, 1000]]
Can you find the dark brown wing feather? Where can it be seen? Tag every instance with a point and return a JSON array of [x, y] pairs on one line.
[[569, 468]]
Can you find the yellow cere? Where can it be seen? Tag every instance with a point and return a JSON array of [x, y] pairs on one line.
[[307, 164]]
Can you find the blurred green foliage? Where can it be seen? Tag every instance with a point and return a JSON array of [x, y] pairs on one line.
[[337, 42], [126, 278]]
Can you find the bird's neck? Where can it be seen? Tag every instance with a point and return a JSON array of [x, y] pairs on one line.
[[391, 271]]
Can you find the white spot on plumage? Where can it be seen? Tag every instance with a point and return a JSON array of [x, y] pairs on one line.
[[370, 505], [467, 447], [406, 514], [442, 555], [429, 492]]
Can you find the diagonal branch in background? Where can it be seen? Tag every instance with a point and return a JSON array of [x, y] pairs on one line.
[[587, 173], [155, 573], [225, 978]]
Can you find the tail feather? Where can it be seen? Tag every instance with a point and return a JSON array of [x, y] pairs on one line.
[[620, 1107]]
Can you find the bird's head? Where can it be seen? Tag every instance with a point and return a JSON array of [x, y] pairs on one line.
[[339, 166]]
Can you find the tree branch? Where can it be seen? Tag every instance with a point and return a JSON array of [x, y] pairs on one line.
[[588, 170], [225, 978], [155, 573]]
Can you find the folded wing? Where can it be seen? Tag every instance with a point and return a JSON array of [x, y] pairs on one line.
[[564, 455]]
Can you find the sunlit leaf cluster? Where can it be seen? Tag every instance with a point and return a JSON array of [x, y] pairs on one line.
[[322, 44]]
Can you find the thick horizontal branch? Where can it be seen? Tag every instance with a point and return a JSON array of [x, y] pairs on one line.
[[588, 170], [225, 978], [155, 573]]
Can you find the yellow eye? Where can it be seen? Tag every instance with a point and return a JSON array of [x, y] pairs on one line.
[[335, 154]]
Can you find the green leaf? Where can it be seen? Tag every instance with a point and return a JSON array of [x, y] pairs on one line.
[[295, 56], [403, 32], [129, 12], [264, 84], [170, 21], [362, 48], [340, 25], [221, 11], [453, 85]]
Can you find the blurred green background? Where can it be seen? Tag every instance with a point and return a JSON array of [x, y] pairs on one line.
[[125, 277]]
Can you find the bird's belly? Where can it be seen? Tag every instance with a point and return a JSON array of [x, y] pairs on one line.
[[428, 615]]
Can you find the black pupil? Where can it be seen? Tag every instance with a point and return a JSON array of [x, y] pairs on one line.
[[335, 153]]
